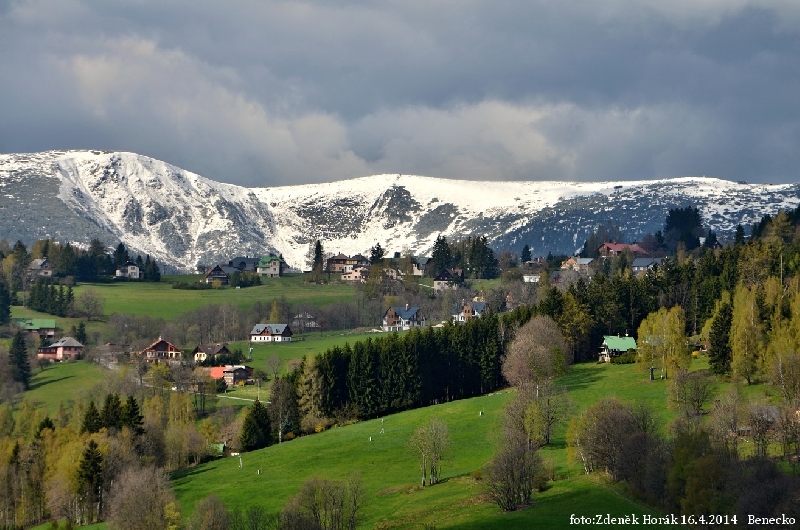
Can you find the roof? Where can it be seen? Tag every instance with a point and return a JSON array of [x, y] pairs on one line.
[[584, 261], [405, 314], [646, 262], [210, 349], [33, 324], [37, 264], [274, 329], [162, 345], [339, 256], [448, 275], [269, 259], [224, 268], [216, 372], [613, 342], [66, 341], [478, 307], [619, 247], [243, 261], [359, 257]]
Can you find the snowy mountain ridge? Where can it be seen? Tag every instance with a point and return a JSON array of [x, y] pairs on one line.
[[184, 219]]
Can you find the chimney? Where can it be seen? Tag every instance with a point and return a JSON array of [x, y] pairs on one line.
[[406, 306]]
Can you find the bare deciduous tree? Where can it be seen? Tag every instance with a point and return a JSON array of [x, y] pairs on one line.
[[551, 406], [90, 304], [210, 514], [692, 391], [273, 365], [325, 505], [538, 352], [510, 475], [429, 443], [141, 499]]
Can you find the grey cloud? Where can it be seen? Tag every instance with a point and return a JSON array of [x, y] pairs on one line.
[[267, 93]]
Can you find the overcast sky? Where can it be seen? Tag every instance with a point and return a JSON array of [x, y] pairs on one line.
[[265, 93]]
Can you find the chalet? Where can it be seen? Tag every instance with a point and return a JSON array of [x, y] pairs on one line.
[[39, 268], [204, 351], [271, 333], [614, 346], [609, 250], [392, 273], [129, 271], [467, 310], [418, 265], [66, 348], [531, 278], [448, 279], [271, 266], [44, 328], [244, 264], [232, 374], [337, 263], [161, 350], [358, 261], [642, 265], [398, 318], [221, 273], [359, 274], [581, 265]]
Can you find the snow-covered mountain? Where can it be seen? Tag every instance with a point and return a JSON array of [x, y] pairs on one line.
[[184, 219]]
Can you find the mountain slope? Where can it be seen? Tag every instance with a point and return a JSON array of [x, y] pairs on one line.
[[184, 219]]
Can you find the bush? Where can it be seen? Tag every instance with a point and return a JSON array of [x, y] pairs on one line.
[[629, 357]]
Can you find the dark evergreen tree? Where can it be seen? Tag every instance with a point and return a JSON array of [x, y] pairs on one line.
[[739, 238], [111, 415], [131, 416], [526, 254], [719, 352], [90, 480], [80, 333], [5, 304], [121, 256], [256, 432], [140, 263], [46, 423], [319, 258], [440, 257], [684, 225], [18, 359], [376, 254], [92, 421], [66, 264]]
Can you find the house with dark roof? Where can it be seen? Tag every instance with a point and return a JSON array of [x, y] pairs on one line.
[[448, 279], [65, 348], [642, 265], [399, 318], [129, 271], [39, 268], [614, 346], [271, 333], [243, 263], [204, 351], [609, 250], [221, 273], [467, 310], [161, 350], [271, 266]]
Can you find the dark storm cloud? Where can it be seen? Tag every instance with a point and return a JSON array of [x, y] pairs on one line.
[[266, 93]]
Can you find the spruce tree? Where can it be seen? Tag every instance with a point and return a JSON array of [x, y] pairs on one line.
[[5, 304], [318, 257], [131, 415], [80, 333], [92, 422], [90, 479], [719, 354], [526, 254], [18, 358], [112, 412], [256, 432]]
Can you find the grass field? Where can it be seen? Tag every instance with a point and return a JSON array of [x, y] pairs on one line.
[[389, 472], [61, 382], [161, 300]]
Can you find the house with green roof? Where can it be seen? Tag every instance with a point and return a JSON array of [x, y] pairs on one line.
[[271, 265], [39, 327], [614, 346]]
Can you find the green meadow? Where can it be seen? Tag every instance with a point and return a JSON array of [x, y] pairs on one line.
[[161, 300], [389, 472], [62, 382]]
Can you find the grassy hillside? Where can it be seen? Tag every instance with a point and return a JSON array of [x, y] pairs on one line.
[[160, 300], [61, 382], [390, 472]]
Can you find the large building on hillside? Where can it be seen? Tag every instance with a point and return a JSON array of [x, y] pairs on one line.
[[271, 333]]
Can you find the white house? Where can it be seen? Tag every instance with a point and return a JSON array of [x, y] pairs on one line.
[[271, 333]]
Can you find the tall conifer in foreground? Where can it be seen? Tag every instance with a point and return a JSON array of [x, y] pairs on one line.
[[18, 358]]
